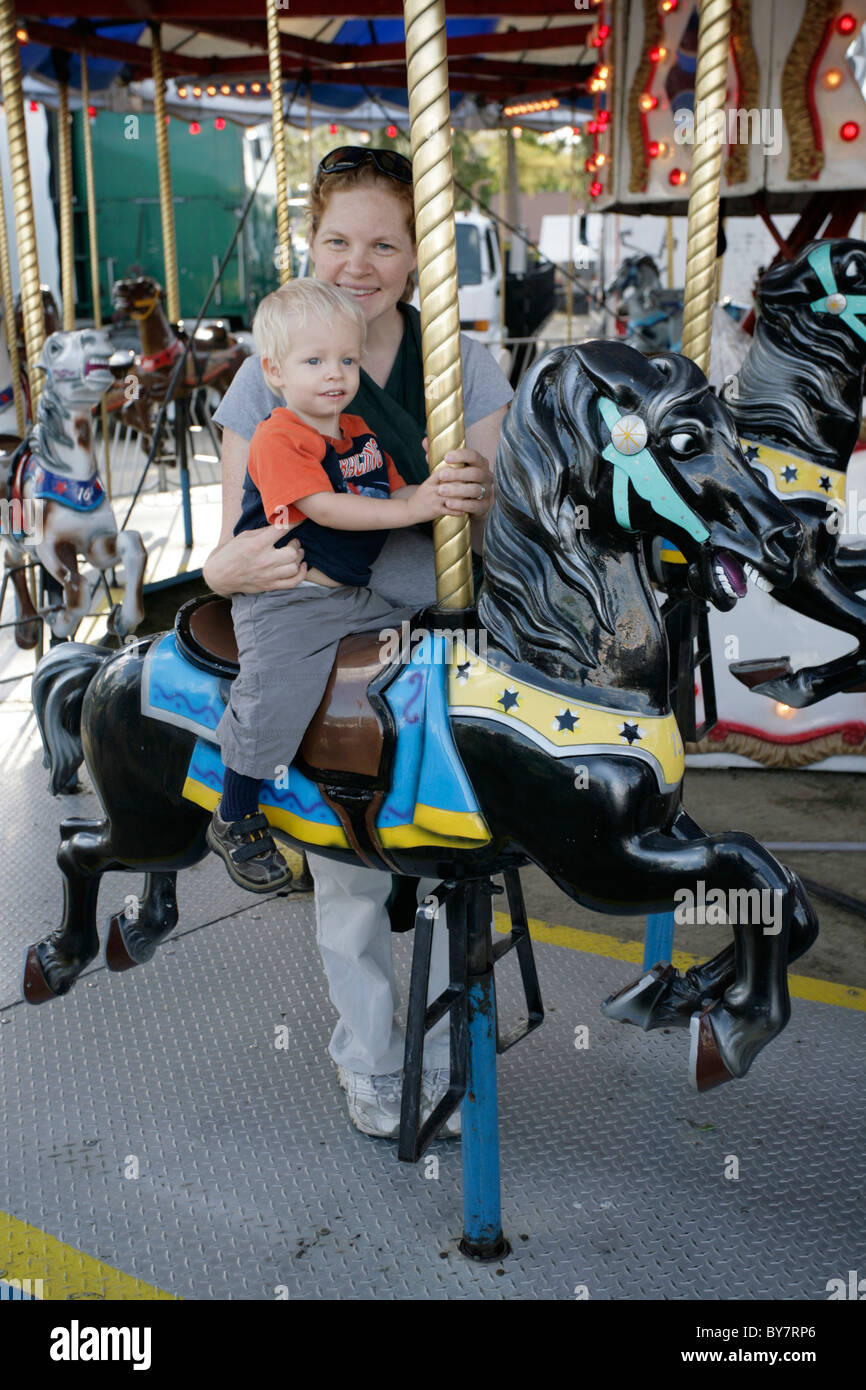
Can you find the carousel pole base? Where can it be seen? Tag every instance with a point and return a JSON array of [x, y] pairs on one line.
[[482, 1237], [475, 1042]]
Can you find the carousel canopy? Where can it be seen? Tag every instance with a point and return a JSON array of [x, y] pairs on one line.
[[350, 67]]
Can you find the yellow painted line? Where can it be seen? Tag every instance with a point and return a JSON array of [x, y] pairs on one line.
[[26, 1252], [612, 947]]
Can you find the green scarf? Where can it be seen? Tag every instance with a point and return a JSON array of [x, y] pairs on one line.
[[397, 415]]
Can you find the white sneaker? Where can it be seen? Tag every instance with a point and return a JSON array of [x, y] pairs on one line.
[[373, 1101], [434, 1084]]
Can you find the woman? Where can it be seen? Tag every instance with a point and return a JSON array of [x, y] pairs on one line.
[[363, 239]]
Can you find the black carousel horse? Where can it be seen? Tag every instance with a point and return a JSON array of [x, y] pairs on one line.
[[563, 728], [797, 404]]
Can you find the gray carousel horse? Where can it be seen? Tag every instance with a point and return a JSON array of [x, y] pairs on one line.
[[54, 486]]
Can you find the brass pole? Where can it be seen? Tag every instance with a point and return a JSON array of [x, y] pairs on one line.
[[94, 246], [430, 115], [166, 205], [22, 198], [710, 81], [311, 168], [278, 130], [569, 290], [64, 182], [9, 321], [500, 229]]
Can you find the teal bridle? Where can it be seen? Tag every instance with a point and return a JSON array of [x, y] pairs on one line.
[[637, 466], [845, 307]]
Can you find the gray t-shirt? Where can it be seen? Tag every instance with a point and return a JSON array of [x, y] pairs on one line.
[[404, 571]]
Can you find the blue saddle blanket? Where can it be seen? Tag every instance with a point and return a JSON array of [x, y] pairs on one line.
[[430, 801]]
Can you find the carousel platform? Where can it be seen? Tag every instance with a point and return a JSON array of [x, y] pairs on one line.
[[156, 1142]]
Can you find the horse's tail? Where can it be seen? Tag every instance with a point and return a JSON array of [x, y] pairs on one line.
[[59, 683]]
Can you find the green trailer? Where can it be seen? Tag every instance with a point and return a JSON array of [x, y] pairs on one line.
[[211, 174]]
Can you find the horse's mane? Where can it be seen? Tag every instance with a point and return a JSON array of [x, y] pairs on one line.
[[549, 462], [796, 370], [52, 417]]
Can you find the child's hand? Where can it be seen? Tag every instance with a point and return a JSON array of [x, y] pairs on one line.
[[427, 502]]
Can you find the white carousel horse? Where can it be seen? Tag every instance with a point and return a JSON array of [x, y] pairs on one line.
[[56, 483]]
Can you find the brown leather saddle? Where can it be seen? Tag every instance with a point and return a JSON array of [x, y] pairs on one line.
[[348, 749]]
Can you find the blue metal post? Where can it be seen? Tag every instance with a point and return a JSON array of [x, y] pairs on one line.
[[482, 1212], [181, 425], [658, 942]]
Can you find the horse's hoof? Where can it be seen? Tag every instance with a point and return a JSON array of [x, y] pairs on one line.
[[117, 954], [34, 986], [125, 950], [27, 636], [707, 1068], [635, 1002]]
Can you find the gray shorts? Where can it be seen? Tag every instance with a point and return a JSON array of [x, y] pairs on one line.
[[287, 640]]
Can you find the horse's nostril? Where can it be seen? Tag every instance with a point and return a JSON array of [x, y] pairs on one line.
[[784, 540]]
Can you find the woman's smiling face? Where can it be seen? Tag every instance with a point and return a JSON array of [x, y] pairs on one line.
[[363, 246]]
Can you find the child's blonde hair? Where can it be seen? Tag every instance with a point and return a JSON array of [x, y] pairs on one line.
[[287, 309]]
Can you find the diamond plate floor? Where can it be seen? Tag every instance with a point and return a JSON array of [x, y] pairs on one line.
[[252, 1184]]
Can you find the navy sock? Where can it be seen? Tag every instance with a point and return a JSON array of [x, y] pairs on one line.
[[240, 796]]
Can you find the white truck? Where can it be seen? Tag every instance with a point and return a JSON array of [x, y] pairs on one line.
[[480, 283]]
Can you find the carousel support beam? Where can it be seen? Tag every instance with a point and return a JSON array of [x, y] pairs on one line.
[[9, 321], [93, 245], [430, 116], [710, 82], [22, 198], [166, 205], [284, 245]]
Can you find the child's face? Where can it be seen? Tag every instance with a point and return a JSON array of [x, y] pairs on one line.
[[320, 373]]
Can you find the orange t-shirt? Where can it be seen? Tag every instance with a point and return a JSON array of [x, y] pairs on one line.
[[289, 460]]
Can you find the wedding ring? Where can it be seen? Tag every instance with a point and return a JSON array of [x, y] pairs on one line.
[[483, 493]]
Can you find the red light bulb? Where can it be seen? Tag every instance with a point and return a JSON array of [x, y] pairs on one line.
[[653, 148], [220, 123], [846, 23], [594, 189], [332, 129], [391, 132], [850, 130], [676, 177], [195, 128]]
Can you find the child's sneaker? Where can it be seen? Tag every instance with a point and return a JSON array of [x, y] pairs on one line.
[[247, 849]]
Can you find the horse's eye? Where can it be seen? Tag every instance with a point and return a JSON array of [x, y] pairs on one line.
[[683, 443], [852, 270]]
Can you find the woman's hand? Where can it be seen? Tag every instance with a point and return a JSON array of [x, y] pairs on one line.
[[468, 488], [249, 563]]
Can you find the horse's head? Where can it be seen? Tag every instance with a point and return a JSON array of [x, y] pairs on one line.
[[50, 314], [818, 299], [76, 364], [801, 383], [602, 445], [137, 296]]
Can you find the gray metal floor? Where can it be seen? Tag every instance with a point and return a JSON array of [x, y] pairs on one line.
[[251, 1178]]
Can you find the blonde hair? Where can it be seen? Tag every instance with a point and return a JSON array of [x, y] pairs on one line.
[[284, 311], [363, 176]]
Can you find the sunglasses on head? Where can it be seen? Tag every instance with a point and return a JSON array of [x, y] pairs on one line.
[[388, 162]]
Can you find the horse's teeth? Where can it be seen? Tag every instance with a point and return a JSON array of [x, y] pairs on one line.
[[757, 578], [724, 581]]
